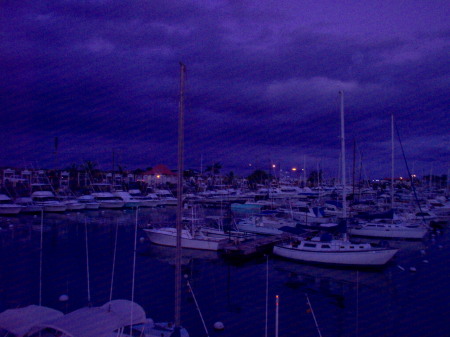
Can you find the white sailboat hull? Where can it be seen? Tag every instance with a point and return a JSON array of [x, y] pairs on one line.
[[167, 237], [389, 231], [369, 258], [10, 209]]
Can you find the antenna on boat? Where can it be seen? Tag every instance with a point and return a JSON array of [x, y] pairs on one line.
[[177, 327]]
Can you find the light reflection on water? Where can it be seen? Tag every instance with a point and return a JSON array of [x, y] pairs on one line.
[[392, 302]]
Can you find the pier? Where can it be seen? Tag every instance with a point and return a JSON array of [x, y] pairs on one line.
[[251, 247]]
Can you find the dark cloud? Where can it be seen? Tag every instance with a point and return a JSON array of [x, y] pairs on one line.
[[262, 82]]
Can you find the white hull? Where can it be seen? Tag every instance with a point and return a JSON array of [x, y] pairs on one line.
[[92, 205], [363, 258], [149, 203], [167, 237], [75, 206], [55, 208], [31, 209], [111, 204], [389, 231], [10, 209]]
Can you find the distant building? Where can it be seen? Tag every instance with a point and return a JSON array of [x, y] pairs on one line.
[[159, 175]]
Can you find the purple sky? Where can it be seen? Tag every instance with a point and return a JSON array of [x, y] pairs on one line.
[[262, 85]]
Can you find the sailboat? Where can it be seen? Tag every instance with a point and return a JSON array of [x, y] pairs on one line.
[[335, 251], [395, 228]]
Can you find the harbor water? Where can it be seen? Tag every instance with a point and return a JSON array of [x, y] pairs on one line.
[[410, 297]]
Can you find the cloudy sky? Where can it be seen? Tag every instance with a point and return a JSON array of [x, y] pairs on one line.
[[262, 83]]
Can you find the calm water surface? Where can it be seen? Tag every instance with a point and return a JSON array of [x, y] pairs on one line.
[[391, 302]]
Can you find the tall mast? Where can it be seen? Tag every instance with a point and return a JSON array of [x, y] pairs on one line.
[[392, 161], [344, 192], [179, 202]]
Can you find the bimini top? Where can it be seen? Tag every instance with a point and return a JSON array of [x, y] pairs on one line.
[[20, 321], [97, 321]]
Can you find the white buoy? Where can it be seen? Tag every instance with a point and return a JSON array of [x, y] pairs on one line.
[[219, 326], [413, 269], [63, 298], [141, 239], [400, 267]]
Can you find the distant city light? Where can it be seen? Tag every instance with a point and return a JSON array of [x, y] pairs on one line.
[[158, 176], [294, 169], [273, 166]]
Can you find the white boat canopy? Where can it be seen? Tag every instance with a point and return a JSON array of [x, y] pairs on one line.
[[20, 321], [97, 321]]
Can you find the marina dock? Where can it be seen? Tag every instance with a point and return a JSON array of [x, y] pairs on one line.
[[251, 247]]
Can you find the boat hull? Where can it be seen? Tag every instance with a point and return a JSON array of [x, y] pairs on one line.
[[370, 258], [10, 210], [162, 238], [389, 232]]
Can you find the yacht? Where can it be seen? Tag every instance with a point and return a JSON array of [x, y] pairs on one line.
[[128, 199], [166, 198], [48, 201], [7, 207], [28, 205], [149, 200], [108, 200], [89, 202]]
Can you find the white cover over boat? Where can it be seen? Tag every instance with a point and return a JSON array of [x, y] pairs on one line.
[[20, 321], [97, 321]]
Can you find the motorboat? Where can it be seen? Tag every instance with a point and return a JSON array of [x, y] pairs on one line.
[[89, 202], [7, 207], [28, 205], [48, 201], [128, 199], [149, 200], [108, 200]]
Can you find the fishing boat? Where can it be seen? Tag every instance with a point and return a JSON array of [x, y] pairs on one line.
[[48, 201], [7, 207]]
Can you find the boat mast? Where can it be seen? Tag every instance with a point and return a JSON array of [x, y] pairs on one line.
[[179, 203], [344, 192], [392, 161]]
